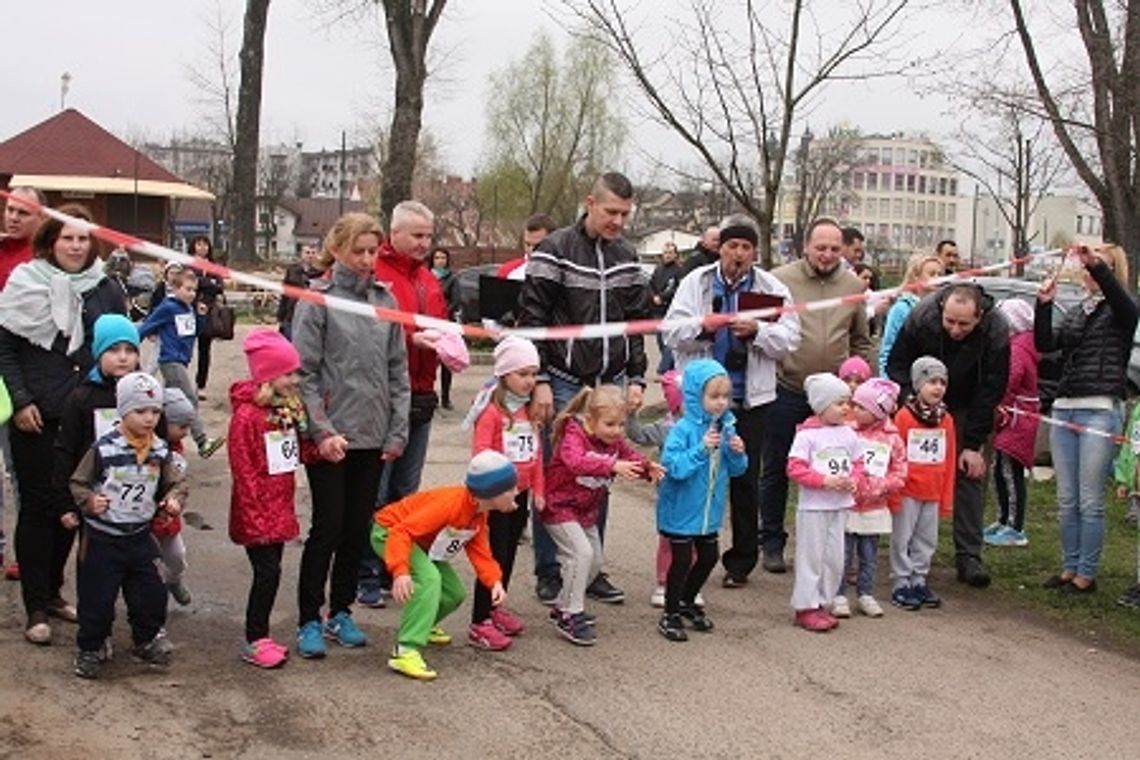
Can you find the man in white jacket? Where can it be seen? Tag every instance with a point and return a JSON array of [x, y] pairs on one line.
[[749, 349]]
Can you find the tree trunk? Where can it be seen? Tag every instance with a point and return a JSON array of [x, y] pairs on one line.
[[248, 132], [400, 163]]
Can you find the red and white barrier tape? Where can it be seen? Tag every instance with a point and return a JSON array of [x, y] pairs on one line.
[[1072, 426], [559, 332]]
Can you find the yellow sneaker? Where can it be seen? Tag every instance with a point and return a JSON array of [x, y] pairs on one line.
[[411, 664], [438, 636]]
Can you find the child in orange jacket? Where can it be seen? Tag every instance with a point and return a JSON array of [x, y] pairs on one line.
[[927, 429], [418, 537]]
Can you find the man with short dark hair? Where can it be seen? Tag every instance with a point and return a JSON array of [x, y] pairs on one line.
[[947, 252], [705, 252], [537, 227], [297, 274], [585, 274], [960, 326], [852, 247]]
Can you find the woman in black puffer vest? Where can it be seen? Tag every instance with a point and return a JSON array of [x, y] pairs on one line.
[[1095, 339]]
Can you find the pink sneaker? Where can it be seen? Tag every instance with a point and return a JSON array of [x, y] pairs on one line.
[[812, 620], [264, 653], [486, 636], [506, 621]]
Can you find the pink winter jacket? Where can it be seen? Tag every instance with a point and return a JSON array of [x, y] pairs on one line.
[[1016, 433], [874, 491]]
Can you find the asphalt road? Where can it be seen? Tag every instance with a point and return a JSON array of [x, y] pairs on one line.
[[974, 679]]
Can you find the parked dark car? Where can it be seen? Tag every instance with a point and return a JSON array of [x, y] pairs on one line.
[[469, 289]]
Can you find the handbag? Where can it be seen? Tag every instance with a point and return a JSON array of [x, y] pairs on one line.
[[220, 319]]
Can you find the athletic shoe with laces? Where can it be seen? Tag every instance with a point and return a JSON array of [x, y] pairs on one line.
[[698, 600], [556, 614], [867, 605], [926, 597], [992, 529], [342, 629], [410, 663], [486, 635], [311, 640], [575, 628], [87, 664], [507, 621], [903, 597], [671, 627], [1130, 598], [1007, 536], [657, 598], [548, 589], [601, 590], [264, 653], [812, 620], [696, 617], [180, 593], [840, 607], [438, 636], [157, 651], [211, 446], [371, 596]]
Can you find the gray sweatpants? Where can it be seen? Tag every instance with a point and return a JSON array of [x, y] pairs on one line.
[[914, 537], [172, 550], [176, 375], [819, 557], [580, 558]]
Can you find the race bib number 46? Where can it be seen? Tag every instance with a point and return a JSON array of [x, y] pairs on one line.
[[926, 446], [832, 461]]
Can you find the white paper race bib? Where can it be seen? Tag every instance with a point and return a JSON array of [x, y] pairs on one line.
[[282, 452], [520, 443], [832, 461], [876, 457], [186, 325], [1136, 439], [926, 446], [448, 543], [131, 491], [105, 421]]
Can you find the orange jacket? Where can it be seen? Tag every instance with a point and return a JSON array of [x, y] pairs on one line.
[[417, 520], [924, 481]]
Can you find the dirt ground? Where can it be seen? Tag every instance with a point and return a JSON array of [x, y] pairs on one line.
[[971, 680]]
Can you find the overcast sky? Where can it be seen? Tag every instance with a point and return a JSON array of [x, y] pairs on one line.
[[128, 60]]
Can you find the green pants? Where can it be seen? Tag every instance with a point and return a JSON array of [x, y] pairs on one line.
[[437, 592]]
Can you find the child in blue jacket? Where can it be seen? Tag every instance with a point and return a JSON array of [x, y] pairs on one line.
[[701, 453]]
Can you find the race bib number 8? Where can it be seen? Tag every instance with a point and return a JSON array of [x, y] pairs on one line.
[[876, 457], [448, 543], [282, 452], [926, 446], [832, 461]]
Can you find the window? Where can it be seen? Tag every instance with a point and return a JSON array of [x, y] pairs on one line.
[[912, 158], [888, 157], [1080, 224], [896, 233], [871, 207], [923, 160], [910, 183], [953, 187], [910, 209], [942, 186], [884, 230], [942, 212], [922, 184], [857, 180], [872, 181], [897, 210], [908, 234], [950, 233], [900, 183], [921, 210], [951, 212]]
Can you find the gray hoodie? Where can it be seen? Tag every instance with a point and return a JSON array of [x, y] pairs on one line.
[[354, 369]]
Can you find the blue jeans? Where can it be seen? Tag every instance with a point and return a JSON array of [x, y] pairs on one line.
[[866, 547], [400, 477], [1082, 464], [667, 362], [545, 552]]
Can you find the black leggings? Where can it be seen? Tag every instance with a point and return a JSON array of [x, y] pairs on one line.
[[203, 371], [1009, 477], [444, 385], [505, 529], [685, 578], [265, 560]]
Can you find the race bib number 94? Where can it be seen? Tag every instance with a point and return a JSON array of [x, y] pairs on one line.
[[926, 446], [832, 461]]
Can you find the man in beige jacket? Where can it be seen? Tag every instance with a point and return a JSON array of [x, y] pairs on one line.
[[827, 338]]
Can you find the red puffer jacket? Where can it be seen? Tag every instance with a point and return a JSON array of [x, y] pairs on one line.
[[261, 505], [417, 291]]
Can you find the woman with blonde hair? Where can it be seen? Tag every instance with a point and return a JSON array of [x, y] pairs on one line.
[[921, 268]]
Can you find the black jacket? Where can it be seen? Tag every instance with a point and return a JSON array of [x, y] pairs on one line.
[[449, 284], [978, 364], [698, 257], [298, 276], [663, 283], [45, 378], [210, 286], [1094, 346], [77, 425], [574, 279]]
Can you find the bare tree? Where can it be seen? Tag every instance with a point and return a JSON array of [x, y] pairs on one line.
[[738, 76], [247, 131]]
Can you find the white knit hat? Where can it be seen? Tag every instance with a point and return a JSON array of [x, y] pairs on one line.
[[824, 389]]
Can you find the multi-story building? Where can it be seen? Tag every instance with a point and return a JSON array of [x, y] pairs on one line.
[[321, 175], [1055, 221]]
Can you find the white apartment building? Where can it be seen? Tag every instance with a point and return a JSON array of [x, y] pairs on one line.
[[1054, 222]]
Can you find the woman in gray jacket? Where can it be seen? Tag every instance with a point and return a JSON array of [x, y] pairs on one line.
[[354, 382]]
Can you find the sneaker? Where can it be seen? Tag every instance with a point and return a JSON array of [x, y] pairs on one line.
[[867, 605], [211, 446], [671, 627], [773, 562], [925, 597], [972, 572], [696, 617], [699, 601], [831, 619], [575, 628], [657, 598], [556, 615], [180, 593], [63, 610], [507, 621], [373, 597], [992, 529], [38, 631], [486, 635], [734, 581], [903, 597], [812, 620], [341, 629], [411, 664], [310, 640], [107, 651], [12, 571], [600, 589], [548, 589], [1007, 536], [438, 636], [264, 653], [87, 664], [1130, 598], [157, 651], [840, 608]]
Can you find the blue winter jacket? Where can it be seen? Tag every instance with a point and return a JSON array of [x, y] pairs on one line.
[[173, 347], [691, 498]]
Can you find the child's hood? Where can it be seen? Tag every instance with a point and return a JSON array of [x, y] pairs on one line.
[[242, 392], [697, 374]]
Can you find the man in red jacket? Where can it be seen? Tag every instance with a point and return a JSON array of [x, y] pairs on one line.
[[403, 265]]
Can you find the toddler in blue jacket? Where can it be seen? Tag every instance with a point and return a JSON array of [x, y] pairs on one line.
[[701, 453]]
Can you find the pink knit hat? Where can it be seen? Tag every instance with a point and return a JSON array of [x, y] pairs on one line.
[[513, 354], [671, 387], [269, 355], [854, 365], [878, 396]]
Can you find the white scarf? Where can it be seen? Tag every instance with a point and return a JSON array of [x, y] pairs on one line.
[[40, 301]]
